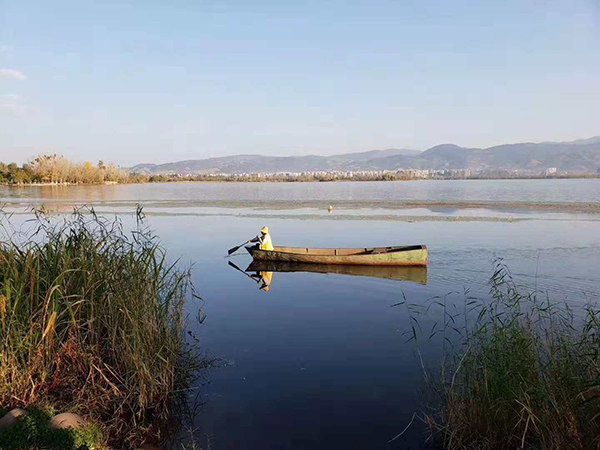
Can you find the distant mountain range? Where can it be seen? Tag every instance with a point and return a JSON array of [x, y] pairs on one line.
[[576, 156]]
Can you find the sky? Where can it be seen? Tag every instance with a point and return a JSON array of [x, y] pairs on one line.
[[155, 81]]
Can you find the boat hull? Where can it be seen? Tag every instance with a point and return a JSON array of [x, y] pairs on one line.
[[415, 255]]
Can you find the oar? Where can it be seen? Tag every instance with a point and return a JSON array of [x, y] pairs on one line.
[[237, 268], [235, 249]]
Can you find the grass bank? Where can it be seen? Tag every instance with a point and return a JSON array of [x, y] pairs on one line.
[[92, 322], [518, 371]]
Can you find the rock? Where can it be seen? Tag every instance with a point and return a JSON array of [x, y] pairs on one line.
[[9, 418], [66, 420]]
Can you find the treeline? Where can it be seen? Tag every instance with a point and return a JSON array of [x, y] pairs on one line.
[[257, 178], [56, 169]]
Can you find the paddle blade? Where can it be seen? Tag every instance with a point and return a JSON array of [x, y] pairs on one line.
[[234, 249]]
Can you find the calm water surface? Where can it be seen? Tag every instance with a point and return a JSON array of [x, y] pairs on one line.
[[320, 361], [584, 190]]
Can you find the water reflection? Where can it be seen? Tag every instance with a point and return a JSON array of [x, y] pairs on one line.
[[262, 271], [262, 277]]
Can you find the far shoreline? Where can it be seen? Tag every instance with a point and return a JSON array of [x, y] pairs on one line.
[[266, 179]]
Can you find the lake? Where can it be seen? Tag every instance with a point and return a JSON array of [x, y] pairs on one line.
[[320, 361]]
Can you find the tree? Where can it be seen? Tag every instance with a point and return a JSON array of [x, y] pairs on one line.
[[101, 172], [44, 167], [53, 168], [88, 172], [21, 177]]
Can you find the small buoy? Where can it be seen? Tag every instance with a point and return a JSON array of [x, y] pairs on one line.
[[330, 209]]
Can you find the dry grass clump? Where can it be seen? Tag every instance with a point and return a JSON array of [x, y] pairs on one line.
[[91, 321]]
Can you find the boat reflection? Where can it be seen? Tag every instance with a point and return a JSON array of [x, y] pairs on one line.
[[415, 274]]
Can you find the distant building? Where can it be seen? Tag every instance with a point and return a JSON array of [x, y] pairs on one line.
[[550, 171]]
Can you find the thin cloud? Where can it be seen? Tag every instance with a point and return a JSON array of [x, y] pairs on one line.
[[4, 48], [11, 73]]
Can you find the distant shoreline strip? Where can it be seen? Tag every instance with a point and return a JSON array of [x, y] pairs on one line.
[[277, 205]]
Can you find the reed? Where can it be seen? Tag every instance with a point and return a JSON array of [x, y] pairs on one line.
[[518, 371], [92, 321]]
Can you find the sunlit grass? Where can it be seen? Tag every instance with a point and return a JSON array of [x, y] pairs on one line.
[[518, 371], [92, 321]]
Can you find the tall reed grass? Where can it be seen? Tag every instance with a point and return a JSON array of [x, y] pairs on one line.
[[92, 321], [518, 371]]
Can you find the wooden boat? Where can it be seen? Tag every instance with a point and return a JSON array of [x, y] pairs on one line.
[[415, 274], [414, 255]]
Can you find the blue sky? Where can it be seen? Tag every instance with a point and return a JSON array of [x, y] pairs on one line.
[[155, 81]]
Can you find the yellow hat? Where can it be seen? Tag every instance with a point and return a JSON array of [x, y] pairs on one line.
[[264, 230]]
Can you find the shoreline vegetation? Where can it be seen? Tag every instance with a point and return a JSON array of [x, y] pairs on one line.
[[517, 371], [92, 322], [56, 170], [389, 175]]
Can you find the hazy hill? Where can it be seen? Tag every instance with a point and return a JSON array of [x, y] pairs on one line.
[[258, 163], [579, 155]]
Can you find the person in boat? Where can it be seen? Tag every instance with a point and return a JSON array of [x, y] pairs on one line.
[[264, 239]]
